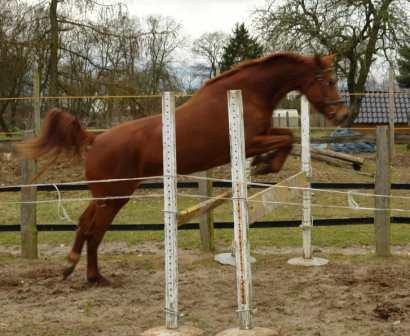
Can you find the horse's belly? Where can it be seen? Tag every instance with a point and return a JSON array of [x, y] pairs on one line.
[[199, 158]]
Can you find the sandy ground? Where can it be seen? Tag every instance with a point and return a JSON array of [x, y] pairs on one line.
[[353, 295]]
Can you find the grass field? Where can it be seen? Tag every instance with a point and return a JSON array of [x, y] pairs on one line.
[[149, 209]]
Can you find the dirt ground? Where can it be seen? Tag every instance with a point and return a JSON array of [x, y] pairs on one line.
[[353, 295]]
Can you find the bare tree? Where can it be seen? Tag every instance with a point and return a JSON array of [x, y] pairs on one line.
[[73, 16], [82, 47], [210, 47], [15, 51], [160, 42], [358, 31]]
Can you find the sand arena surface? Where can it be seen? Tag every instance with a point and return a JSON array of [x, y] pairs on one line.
[[354, 295]]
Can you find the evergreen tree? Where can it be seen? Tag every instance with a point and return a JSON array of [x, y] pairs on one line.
[[241, 46], [404, 67]]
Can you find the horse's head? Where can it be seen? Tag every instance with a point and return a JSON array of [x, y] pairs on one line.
[[321, 91]]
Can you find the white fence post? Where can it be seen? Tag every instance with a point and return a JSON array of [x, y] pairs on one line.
[[240, 209], [307, 169], [170, 226], [307, 222], [241, 225], [170, 210]]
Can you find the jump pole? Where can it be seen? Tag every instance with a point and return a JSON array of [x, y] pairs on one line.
[[307, 224], [172, 327], [241, 227]]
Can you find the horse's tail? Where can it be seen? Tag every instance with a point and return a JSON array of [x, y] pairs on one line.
[[61, 133]]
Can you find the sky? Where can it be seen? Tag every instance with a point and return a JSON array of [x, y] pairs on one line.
[[197, 16]]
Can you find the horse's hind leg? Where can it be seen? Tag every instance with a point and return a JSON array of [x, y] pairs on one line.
[[86, 222], [105, 213]]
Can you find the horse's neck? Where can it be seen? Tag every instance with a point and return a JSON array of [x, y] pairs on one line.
[[286, 76], [267, 83], [272, 83]]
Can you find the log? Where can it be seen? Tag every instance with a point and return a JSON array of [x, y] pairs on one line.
[[186, 215], [401, 139], [329, 160], [337, 155]]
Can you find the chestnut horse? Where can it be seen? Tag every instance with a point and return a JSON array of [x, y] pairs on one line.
[[134, 149]]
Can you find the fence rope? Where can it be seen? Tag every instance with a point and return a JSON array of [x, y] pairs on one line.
[[60, 200], [301, 204], [181, 95], [266, 185], [352, 204], [83, 182], [178, 95], [83, 199]]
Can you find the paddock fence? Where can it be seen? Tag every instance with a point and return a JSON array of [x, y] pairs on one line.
[[108, 111]]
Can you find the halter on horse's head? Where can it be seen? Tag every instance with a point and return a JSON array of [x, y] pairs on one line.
[[322, 92]]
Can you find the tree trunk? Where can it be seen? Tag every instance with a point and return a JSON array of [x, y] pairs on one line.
[[53, 65], [13, 121], [3, 125], [355, 102]]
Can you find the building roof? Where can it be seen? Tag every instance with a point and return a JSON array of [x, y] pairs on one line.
[[375, 107]]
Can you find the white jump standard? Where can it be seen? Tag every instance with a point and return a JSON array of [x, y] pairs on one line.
[[170, 222], [307, 224], [241, 227]]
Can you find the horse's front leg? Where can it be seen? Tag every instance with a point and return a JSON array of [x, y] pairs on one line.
[[270, 150]]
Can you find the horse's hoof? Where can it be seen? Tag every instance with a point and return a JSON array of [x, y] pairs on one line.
[[99, 280], [67, 271]]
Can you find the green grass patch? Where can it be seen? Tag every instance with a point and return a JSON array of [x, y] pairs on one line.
[[340, 237]]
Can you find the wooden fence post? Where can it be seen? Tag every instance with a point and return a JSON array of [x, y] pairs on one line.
[[392, 111], [28, 211], [36, 102], [206, 220], [382, 187], [287, 119]]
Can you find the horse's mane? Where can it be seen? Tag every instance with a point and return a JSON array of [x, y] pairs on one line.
[[249, 63]]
